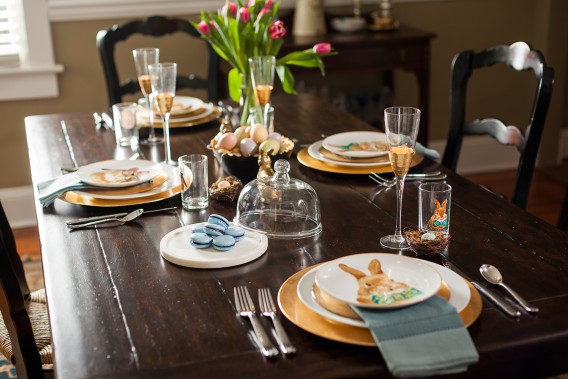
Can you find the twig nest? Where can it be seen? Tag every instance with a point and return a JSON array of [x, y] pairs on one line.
[[427, 242], [226, 189]]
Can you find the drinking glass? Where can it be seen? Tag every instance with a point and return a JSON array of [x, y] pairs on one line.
[[262, 77], [142, 59], [401, 125], [163, 79]]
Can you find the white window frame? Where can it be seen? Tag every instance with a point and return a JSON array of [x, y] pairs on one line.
[[36, 74]]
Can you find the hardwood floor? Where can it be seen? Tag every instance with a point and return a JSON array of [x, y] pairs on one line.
[[547, 194]]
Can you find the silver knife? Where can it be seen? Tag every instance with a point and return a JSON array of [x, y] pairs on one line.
[[122, 214], [496, 299], [502, 304]]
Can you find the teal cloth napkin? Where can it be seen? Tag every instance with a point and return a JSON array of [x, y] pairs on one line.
[[53, 188], [421, 340], [429, 153]]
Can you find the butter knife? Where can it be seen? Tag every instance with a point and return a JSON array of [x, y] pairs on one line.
[[122, 214], [502, 304]]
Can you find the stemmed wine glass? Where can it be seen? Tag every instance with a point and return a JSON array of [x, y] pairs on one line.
[[142, 59], [262, 77], [163, 79], [401, 126]]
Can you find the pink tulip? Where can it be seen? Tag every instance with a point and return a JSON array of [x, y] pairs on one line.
[[277, 30], [269, 4], [244, 15], [231, 7], [251, 3], [203, 27], [263, 11], [322, 48]]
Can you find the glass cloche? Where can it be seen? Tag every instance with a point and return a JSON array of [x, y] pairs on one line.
[[279, 206]]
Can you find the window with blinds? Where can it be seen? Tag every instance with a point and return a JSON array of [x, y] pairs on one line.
[[10, 16]]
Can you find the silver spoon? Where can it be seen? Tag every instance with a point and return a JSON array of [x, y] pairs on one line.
[[122, 220], [493, 276]]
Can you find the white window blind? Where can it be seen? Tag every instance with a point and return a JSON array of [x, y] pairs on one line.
[[10, 28]]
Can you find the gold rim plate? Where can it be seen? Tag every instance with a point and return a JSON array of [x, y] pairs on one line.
[[212, 116], [308, 161], [75, 198], [300, 315]]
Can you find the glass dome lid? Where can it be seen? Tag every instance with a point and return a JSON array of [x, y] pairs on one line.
[[279, 206]]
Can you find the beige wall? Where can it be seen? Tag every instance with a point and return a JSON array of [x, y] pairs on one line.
[[459, 25]]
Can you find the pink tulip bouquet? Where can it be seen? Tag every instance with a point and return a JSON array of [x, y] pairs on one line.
[[239, 31]]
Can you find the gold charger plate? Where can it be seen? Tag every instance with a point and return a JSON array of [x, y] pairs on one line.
[[156, 182], [308, 161], [300, 315], [173, 124], [75, 198]]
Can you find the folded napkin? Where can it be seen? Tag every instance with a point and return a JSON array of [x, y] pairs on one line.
[[429, 153], [53, 188], [421, 340]]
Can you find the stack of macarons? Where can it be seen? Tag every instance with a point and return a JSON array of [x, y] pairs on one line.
[[216, 232]]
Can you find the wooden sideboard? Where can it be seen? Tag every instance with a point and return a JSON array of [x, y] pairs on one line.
[[406, 49]]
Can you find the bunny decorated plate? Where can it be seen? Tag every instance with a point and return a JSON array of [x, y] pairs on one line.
[[377, 280]]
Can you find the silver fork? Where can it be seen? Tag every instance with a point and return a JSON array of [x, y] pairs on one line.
[[245, 307], [430, 176], [268, 309]]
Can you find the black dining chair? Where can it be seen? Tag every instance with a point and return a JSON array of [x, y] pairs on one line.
[[563, 219], [25, 336], [519, 57], [154, 26]]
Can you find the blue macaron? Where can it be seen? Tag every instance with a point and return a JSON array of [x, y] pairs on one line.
[[223, 242], [198, 228], [237, 233], [200, 240], [218, 220], [214, 230]]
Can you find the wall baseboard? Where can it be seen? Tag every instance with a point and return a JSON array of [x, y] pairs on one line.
[[479, 154], [18, 203]]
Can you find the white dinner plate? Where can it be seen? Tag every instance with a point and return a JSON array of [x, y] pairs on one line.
[[111, 173], [357, 144], [170, 183], [313, 151], [396, 281], [175, 247], [459, 294]]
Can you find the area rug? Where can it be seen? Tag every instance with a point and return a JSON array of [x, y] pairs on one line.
[[34, 277]]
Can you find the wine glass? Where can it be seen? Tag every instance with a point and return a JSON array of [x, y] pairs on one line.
[[142, 58], [163, 79], [401, 126], [262, 77]]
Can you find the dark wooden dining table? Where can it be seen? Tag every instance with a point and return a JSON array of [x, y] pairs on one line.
[[117, 309]]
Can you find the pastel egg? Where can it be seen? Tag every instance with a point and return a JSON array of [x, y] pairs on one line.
[[270, 145], [227, 141], [258, 133], [223, 184], [428, 237], [248, 147], [241, 133], [275, 136]]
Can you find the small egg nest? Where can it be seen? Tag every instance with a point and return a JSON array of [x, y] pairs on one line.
[[229, 193], [286, 145], [426, 247]]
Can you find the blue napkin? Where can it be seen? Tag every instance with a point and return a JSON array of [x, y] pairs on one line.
[[429, 153], [421, 340], [53, 188]]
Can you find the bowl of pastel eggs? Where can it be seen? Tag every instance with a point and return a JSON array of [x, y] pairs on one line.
[[217, 233], [238, 150]]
